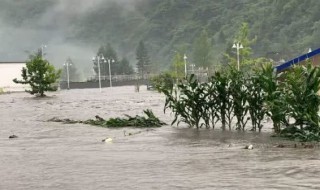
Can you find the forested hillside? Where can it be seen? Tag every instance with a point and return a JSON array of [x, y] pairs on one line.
[[289, 27]]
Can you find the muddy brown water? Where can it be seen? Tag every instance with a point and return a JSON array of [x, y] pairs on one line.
[[49, 155]]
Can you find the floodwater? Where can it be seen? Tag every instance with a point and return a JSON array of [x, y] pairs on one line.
[[50, 155]]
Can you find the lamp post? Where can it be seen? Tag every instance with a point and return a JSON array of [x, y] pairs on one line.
[[185, 65], [238, 46], [99, 58], [110, 78], [192, 68], [42, 50], [67, 64]]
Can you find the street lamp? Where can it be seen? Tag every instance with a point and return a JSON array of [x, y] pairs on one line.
[[67, 64], [42, 50], [185, 65], [238, 46], [99, 58], [192, 68], [110, 61]]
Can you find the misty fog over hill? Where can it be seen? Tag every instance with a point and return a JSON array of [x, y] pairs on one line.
[[77, 28]]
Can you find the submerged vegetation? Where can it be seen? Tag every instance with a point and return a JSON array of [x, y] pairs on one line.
[[245, 93], [138, 121], [234, 98]]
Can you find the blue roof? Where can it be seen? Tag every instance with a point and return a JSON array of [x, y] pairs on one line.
[[297, 60]]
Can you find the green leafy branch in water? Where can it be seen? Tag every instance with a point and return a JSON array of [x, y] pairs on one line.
[[138, 121]]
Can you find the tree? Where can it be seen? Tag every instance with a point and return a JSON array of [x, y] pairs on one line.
[[108, 53], [143, 58], [201, 51], [243, 37], [230, 55], [73, 74], [178, 66], [124, 67], [40, 75]]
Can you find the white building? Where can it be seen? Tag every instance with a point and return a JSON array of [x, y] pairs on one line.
[[9, 71]]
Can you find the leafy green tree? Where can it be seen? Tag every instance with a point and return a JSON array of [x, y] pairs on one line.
[[40, 75], [143, 58], [178, 66], [202, 49], [242, 37]]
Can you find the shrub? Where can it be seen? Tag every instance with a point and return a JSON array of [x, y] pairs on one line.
[[40, 75], [163, 82]]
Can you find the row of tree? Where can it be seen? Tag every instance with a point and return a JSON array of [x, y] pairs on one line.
[[122, 67], [118, 67], [202, 57]]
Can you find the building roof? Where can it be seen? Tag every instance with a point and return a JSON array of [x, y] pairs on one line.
[[299, 59], [12, 62]]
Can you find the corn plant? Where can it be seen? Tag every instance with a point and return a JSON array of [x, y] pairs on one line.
[[255, 100], [193, 96], [224, 104], [212, 108], [187, 102], [302, 85], [238, 92], [273, 96], [172, 102]]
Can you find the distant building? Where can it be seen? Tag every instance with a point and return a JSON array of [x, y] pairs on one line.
[[313, 56], [9, 71]]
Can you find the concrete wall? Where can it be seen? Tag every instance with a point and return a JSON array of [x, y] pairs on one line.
[[9, 71], [104, 83]]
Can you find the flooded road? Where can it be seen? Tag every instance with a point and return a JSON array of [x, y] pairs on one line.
[[71, 156]]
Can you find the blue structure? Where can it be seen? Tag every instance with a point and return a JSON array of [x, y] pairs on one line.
[[288, 64]]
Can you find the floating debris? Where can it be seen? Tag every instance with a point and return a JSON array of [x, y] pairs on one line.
[[13, 136], [280, 146], [107, 140], [131, 133], [249, 147], [138, 121]]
